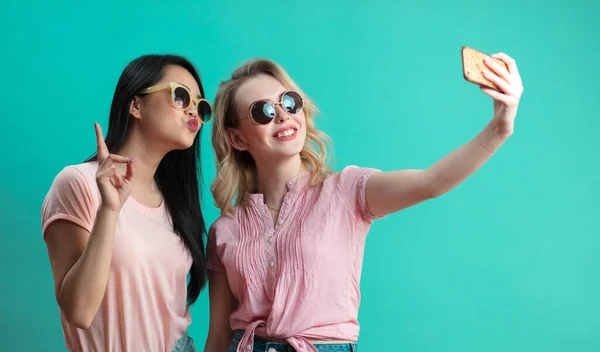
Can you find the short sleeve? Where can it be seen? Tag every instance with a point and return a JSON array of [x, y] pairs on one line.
[[352, 185], [213, 259], [69, 198]]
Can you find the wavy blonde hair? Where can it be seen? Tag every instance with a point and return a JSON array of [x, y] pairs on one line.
[[236, 170]]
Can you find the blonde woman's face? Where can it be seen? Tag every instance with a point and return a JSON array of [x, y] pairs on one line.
[[283, 135]]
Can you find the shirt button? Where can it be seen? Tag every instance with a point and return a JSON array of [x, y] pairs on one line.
[[249, 347], [272, 264], [269, 240], [279, 222]]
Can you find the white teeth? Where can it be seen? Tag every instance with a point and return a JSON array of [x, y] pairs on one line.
[[286, 133]]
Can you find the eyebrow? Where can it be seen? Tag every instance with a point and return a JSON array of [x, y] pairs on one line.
[[190, 89], [270, 100]]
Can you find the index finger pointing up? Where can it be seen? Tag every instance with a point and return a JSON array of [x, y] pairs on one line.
[[102, 150]]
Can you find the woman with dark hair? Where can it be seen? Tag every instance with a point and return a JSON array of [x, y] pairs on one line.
[[124, 228]]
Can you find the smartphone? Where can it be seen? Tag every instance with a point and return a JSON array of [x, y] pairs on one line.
[[473, 66]]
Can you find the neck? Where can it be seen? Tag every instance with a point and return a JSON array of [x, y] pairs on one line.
[[273, 178], [147, 158]]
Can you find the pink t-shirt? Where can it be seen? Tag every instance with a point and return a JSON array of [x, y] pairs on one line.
[[300, 279], [144, 306]]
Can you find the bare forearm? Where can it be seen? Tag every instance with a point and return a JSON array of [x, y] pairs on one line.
[[218, 343], [454, 168], [222, 305], [389, 192], [83, 287]]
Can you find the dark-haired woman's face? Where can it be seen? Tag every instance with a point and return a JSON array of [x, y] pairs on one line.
[[160, 119]]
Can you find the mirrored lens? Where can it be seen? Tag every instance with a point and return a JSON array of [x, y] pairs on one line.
[[292, 102], [262, 112]]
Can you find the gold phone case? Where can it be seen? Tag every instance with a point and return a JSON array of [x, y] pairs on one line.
[[473, 65]]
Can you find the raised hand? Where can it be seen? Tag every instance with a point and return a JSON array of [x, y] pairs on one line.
[[114, 187], [507, 96]]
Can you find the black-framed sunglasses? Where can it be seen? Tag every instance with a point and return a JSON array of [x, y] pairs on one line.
[[181, 97], [263, 111]]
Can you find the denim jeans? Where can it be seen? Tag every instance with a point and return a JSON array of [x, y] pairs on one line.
[[184, 344], [261, 345]]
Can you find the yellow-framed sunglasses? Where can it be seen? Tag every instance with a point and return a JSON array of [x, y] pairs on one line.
[[182, 98]]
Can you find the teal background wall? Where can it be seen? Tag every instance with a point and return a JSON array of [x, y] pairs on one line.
[[508, 261]]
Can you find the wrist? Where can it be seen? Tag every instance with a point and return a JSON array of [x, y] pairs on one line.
[[493, 136], [105, 221], [108, 210], [502, 129]]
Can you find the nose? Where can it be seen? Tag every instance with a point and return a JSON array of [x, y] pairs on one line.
[[192, 110], [280, 114]]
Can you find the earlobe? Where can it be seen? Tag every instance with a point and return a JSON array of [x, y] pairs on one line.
[[236, 140], [134, 108]]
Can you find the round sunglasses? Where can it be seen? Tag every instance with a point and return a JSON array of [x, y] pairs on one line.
[[182, 98], [263, 111]]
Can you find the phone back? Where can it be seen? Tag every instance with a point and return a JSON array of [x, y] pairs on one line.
[[473, 65]]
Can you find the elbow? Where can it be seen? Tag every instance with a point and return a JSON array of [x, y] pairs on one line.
[[80, 321], [433, 187], [434, 193], [430, 190], [79, 317], [82, 324]]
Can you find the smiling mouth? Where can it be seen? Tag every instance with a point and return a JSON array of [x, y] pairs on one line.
[[286, 133]]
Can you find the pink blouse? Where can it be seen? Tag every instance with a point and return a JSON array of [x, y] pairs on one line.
[[300, 279]]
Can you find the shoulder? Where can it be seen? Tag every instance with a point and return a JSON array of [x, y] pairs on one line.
[[73, 196], [223, 230], [350, 176], [75, 178], [225, 223]]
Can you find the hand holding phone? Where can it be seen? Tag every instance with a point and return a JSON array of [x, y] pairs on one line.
[[473, 66]]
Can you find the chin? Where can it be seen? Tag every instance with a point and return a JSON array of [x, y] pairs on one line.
[[288, 152], [183, 144]]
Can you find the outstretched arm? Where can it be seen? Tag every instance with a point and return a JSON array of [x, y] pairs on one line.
[[389, 192]]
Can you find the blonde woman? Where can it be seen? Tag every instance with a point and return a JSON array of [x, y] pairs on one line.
[[285, 256]]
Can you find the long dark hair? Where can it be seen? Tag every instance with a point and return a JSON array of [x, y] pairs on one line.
[[179, 177]]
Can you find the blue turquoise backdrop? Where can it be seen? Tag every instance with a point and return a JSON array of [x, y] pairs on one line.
[[508, 261]]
